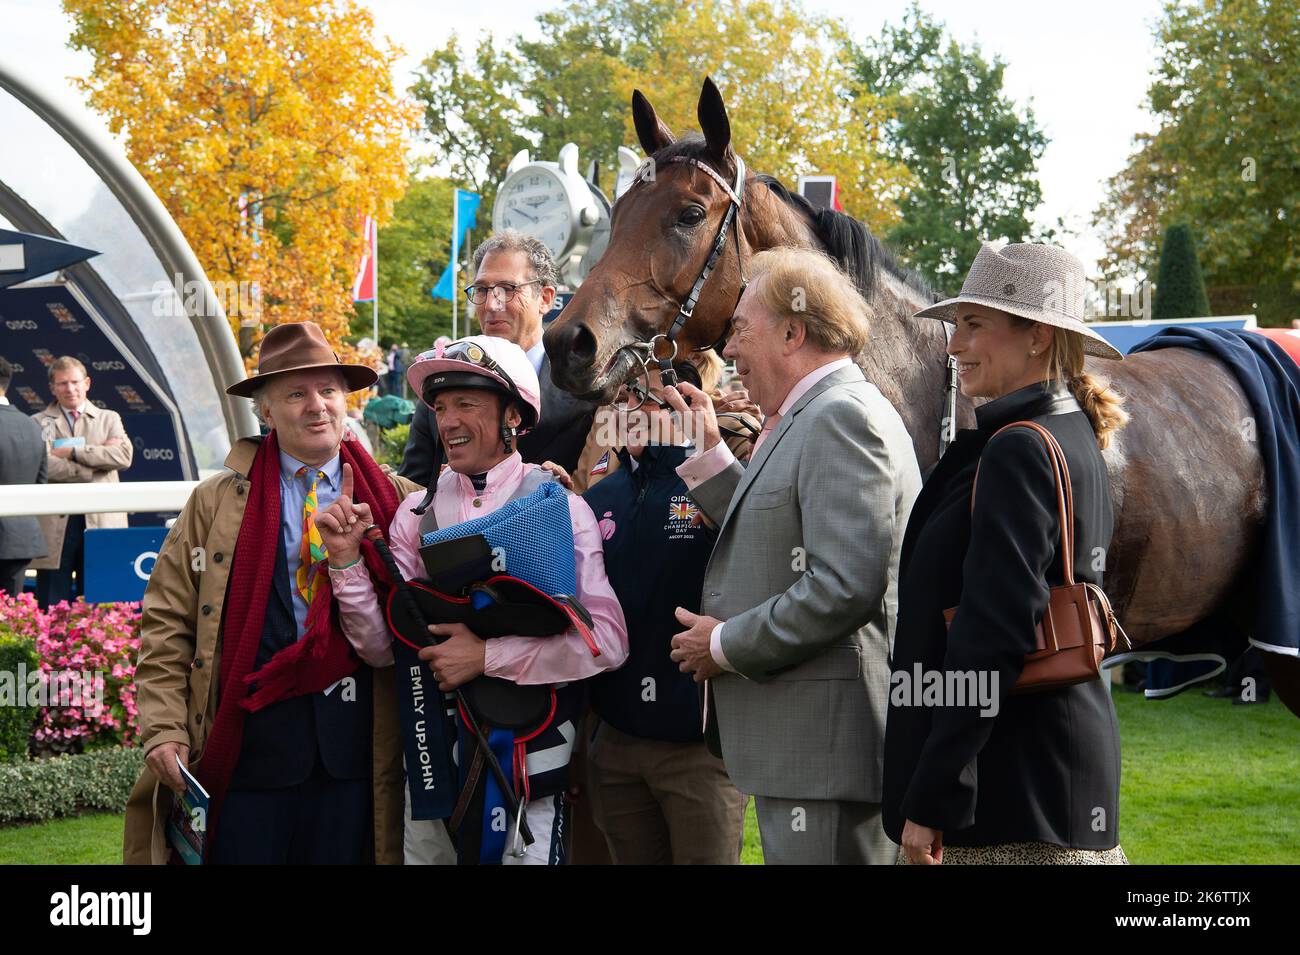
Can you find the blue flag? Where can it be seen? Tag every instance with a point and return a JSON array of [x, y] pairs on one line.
[[466, 218]]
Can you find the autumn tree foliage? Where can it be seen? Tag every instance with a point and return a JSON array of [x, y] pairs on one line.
[[267, 128], [785, 73]]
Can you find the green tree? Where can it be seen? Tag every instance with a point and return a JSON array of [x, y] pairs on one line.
[[1180, 292], [413, 251], [787, 78], [568, 75], [789, 90], [972, 150], [1226, 96], [473, 116]]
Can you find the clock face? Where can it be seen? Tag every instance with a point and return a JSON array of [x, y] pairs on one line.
[[535, 202]]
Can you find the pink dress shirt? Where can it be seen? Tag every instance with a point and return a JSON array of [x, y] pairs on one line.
[[556, 659], [704, 465]]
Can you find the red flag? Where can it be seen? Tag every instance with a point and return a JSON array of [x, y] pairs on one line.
[[835, 197], [364, 287]]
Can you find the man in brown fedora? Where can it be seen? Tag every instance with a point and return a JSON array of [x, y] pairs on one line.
[[245, 675]]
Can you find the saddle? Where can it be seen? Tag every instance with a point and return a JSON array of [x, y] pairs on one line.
[[496, 605]]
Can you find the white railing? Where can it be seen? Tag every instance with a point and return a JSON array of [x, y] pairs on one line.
[[24, 500]]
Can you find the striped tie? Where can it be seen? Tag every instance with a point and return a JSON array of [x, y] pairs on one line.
[[313, 550]]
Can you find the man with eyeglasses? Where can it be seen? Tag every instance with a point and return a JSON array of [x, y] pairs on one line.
[[514, 285]]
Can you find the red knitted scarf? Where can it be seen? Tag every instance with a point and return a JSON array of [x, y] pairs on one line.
[[323, 655]]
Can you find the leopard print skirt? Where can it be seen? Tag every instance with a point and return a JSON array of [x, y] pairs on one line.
[[1027, 853]]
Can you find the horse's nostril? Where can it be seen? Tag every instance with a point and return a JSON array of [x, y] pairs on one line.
[[582, 345]]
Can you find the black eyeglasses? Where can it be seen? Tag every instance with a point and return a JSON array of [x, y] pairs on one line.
[[503, 292]]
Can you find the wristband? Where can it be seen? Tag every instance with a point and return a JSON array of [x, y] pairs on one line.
[[345, 566]]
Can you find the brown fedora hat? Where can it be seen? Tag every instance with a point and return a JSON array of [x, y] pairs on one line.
[[297, 346]]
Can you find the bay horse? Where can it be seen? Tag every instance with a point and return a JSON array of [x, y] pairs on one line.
[[1187, 480]]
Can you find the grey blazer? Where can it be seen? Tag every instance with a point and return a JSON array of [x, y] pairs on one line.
[[805, 574], [22, 461]]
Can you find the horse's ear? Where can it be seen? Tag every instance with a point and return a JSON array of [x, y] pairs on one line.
[[650, 129], [712, 114]]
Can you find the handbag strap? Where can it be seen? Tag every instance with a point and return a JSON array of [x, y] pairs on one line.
[[1064, 494]]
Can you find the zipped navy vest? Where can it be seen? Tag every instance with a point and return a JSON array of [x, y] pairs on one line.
[[656, 550]]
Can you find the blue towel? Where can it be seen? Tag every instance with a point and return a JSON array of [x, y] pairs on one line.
[[535, 536], [1271, 382]]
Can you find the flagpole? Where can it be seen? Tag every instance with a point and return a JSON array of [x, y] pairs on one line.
[[455, 266], [374, 247]]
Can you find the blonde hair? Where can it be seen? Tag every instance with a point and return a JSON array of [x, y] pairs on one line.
[[710, 367], [1101, 403], [809, 286]]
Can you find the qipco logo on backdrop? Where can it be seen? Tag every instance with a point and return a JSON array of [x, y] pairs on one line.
[[158, 454], [113, 365], [143, 564]]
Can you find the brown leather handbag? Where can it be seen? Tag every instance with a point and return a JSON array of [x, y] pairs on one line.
[[1079, 627]]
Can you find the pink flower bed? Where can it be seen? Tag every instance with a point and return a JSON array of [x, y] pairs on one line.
[[75, 639]]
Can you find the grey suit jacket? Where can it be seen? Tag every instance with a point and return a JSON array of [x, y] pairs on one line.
[[804, 573], [22, 461]]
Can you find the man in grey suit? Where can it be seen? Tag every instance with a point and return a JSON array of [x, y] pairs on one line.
[[22, 461], [800, 595]]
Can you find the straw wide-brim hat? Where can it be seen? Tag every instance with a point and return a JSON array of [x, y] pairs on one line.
[[298, 346], [1043, 283]]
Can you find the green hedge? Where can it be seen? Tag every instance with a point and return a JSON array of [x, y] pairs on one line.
[[16, 722], [392, 445], [42, 789]]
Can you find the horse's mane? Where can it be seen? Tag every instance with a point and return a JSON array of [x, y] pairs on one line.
[[850, 243]]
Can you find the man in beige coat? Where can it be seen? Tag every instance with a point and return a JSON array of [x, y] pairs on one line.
[[299, 390], [85, 444]]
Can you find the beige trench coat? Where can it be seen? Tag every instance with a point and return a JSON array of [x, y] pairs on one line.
[[180, 655], [96, 463]]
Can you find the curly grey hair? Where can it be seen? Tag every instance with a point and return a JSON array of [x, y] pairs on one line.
[[260, 400], [540, 262]]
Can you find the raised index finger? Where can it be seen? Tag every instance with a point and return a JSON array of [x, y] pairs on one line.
[[347, 481]]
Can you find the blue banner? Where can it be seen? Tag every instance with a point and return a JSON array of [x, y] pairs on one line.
[[466, 218]]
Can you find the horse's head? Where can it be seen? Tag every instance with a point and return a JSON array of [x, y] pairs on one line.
[[662, 232]]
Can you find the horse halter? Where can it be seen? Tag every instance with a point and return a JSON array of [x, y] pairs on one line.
[[684, 312]]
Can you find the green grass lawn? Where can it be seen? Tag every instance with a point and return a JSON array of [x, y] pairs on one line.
[[1204, 782], [94, 839], [1208, 782]]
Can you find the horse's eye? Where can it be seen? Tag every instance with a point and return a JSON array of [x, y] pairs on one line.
[[691, 216]]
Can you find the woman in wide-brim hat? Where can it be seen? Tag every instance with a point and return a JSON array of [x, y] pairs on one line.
[[998, 777]]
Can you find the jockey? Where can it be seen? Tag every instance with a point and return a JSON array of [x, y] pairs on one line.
[[484, 393]]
